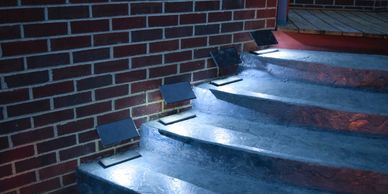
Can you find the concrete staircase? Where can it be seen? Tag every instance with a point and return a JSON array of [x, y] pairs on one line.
[[298, 122]]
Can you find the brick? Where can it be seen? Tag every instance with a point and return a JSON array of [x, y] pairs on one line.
[[42, 187], [88, 1], [14, 96], [24, 47], [178, 78], [71, 100], [35, 162], [270, 23], [177, 32], [43, 2], [16, 154], [131, 76], [128, 23], [241, 37], [145, 8], [5, 170], [232, 27], [95, 108], [271, 3], [10, 32], [207, 5], [88, 136], [112, 117], [65, 190], [169, 45], [17, 181], [174, 7], [55, 144], [53, 89], [4, 144], [206, 74], [111, 38], [153, 96], [94, 82], [146, 61], [68, 43], [71, 72], [204, 52], [244, 15], [140, 121], [98, 155], [145, 85], [27, 79], [130, 101], [178, 56], [69, 179], [192, 66], [11, 65], [250, 46], [21, 15], [110, 10], [267, 13], [8, 3], [53, 117], [255, 3], [220, 16], [129, 50], [91, 55], [168, 20], [68, 12], [57, 169], [163, 71], [343, 2], [48, 60], [46, 29], [147, 109], [111, 92], [233, 4], [207, 29], [77, 151], [75, 126], [88, 26], [14, 125], [194, 18], [32, 136], [220, 39], [253, 25], [176, 105], [28, 108], [111, 66], [193, 42], [147, 35]]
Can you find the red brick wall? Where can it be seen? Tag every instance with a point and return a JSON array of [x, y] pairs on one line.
[[69, 65], [342, 4]]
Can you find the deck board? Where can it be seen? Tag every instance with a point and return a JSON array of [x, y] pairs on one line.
[[336, 22]]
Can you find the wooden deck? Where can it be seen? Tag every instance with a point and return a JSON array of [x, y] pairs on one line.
[[338, 22]]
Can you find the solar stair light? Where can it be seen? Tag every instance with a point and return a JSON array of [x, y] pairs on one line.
[[114, 133], [225, 58], [174, 93], [264, 39]]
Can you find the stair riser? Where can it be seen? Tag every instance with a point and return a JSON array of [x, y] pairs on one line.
[[264, 167], [325, 74], [311, 116]]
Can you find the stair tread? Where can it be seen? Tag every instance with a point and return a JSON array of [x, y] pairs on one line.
[[155, 173], [262, 85], [346, 60], [140, 180], [306, 145]]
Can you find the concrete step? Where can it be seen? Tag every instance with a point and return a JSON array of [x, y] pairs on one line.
[[304, 104], [329, 68], [277, 153], [173, 166]]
